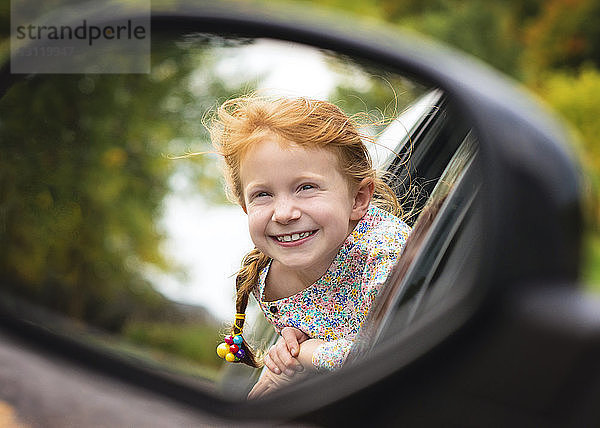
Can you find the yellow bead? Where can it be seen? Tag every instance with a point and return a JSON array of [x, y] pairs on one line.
[[222, 350], [230, 357]]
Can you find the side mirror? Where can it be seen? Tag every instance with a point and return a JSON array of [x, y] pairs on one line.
[[494, 168]]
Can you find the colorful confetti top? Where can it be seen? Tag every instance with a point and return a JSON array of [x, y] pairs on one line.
[[335, 306]]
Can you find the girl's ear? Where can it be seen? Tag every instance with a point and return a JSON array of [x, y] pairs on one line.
[[362, 199]]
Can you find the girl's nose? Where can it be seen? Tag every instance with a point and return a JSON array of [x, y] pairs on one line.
[[285, 211]]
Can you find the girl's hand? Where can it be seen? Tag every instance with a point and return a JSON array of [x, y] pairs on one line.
[[281, 358], [269, 380], [268, 383]]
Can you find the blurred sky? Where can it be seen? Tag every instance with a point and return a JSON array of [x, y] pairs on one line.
[[209, 241]]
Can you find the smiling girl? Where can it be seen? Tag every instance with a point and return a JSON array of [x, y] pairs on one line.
[[326, 229]]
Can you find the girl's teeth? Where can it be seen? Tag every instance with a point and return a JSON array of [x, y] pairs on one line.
[[293, 237]]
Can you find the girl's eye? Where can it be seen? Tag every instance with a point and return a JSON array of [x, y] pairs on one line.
[[307, 187], [260, 194]]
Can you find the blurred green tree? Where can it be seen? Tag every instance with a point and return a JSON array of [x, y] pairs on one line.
[[83, 174], [564, 36], [575, 96], [486, 30]]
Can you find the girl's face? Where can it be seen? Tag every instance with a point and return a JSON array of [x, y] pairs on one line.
[[300, 207]]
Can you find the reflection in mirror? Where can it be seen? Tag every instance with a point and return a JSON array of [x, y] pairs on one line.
[[106, 223]]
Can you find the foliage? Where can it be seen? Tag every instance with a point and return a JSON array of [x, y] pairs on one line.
[[193, 342], [575, 96], [591, 268], [565, 36], [83, 175], [483, 29]]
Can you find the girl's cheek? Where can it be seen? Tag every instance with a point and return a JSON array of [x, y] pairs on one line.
[[257, 217], [315, 203], [254, 210], [253, 229]]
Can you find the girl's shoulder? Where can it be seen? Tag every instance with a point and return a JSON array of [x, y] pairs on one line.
[[381, 230]]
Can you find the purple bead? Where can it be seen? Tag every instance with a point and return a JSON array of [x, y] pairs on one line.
[[240, 354]]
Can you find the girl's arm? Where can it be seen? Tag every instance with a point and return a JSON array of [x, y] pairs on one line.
[[270, 380], [295, 352], [292, 353], [307, 351]]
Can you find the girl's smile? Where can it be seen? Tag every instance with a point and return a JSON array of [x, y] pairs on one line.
[[294, 239]]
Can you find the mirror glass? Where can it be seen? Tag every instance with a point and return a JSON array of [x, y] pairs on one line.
[[106, 222]]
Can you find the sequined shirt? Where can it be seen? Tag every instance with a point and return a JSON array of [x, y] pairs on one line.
[[335, 306]]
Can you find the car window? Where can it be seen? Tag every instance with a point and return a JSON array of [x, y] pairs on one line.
[[424, 277], [398, 136]]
